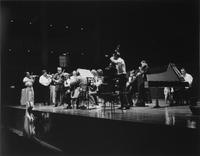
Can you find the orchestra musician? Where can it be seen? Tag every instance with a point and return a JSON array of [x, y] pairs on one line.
[[94, 86], [184, 93], [99, 83], [67, 92], [58, 81], [121, 74], [187, 78], [141, 78], [100, 76], [52, 91], [79, 85], [82, 84], [28, 94], [74, 89], [131, 87], [45, 81]]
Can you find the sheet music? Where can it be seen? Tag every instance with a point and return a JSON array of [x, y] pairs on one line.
[[85, 72]]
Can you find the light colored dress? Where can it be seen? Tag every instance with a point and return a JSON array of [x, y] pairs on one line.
[[27, 94]]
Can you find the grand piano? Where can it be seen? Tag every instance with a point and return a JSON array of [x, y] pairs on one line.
[[171, 77]]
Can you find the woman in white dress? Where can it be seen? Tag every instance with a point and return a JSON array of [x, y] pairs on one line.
[[28, 92]]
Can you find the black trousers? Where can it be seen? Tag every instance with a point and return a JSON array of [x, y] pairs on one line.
[[45, 93], [67, 97], [59, 95], [122, 90], [141, 91]]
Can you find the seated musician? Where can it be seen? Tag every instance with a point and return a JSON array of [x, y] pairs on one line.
[[94, 86], [45, 81], [28, 95], [100, 76], [181, 94], [99, 83], [67, 93]]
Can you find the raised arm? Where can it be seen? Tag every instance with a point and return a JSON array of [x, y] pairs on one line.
[[113, 60]]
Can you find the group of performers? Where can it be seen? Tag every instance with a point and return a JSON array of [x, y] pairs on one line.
[[75, 89], [62, 87]]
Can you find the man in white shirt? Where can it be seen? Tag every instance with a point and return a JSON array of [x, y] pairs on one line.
[[182, 95], [45, 81], [187, 77], [119, 63], [121, 72]]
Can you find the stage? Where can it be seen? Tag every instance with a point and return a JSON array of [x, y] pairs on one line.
[[165, 115], [100, 130]]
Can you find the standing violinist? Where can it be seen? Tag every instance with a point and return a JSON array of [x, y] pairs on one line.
[[45, 81], [28, 95], [58, 81], [121, 73], [141, 78]]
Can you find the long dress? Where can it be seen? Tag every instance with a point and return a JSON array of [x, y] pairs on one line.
[[27, 94]]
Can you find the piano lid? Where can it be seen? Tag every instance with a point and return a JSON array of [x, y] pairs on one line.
[[171, 74]]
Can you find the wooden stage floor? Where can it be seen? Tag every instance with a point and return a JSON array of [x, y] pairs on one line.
[[180, 116]]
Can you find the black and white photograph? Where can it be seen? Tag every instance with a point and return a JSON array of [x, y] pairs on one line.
[[100, 78]]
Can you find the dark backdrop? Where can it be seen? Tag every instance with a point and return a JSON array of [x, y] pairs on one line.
[[159, 32]]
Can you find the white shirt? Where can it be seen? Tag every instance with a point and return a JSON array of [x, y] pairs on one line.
[[120, 65], [188, 78], [44, 80], [28, 81]]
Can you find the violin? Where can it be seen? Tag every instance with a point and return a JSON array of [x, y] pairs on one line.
[[58, 80]]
